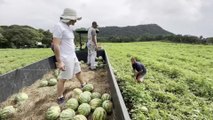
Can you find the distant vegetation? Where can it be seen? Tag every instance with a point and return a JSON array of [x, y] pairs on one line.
[[16, 36], [149, 32], [132, 31]]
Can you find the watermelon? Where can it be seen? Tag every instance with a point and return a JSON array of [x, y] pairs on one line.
[[84, 109], [107, 105], [87, 92], [88, 87], [79, 117], [21, 97], [100, 58], [96, 102], [82, 62], [7, 112], [144, 109], [100, 65], [56, 72], [99, 114], [67, 114], [43, 83], [84, 98], [72, 103], [95, 95], [106, 96], [53, 113], [52, 82], [76, 92]]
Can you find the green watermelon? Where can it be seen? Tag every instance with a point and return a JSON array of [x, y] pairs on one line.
[[99, 114], [88, 87], [82, 62], [96, 102], [43, 83], [76, 92], [144, 109], [106, 96], [72, 103], [84, 98], [52, 82], [53, 113], [7, 112], [56, 73], [21, 97], [67, 114], [79, 117], [107, 105], [100, 58], [87, 92], [84, 109], [95, 95]]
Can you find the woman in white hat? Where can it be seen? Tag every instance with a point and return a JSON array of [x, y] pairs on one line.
[[64, 49]]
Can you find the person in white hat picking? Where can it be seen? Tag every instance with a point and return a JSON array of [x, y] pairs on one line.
[[64, 49]]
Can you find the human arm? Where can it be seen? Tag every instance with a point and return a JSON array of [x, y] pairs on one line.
[[94, 38], [134, 71], [56, 44]]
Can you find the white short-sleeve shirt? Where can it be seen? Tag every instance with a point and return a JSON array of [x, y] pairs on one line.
[[65, 33], [91, 32]]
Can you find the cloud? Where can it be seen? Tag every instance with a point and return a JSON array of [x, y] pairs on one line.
[[179, 16]]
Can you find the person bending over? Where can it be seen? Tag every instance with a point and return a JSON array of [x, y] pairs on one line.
[[138, 69]]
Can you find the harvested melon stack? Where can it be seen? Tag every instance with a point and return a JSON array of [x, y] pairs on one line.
[[100, 62], [9, 111], [83, 104]]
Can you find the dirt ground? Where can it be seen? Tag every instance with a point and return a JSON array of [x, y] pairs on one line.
[[41, 98]]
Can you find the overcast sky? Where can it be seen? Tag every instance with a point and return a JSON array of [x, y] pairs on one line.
[[194, 17]]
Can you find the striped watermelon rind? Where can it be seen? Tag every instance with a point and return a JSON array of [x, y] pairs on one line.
[[99, 114]]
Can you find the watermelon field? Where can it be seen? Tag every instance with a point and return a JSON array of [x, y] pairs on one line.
[[177, 86], [12, 59]]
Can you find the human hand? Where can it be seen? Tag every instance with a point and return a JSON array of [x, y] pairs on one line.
[[96, 48], [60, 66]]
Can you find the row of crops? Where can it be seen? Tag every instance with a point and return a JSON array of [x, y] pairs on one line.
[[12, 59], [178, 85]]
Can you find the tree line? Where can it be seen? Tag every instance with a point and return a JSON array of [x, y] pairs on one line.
[[148, 32], [172, 38], [16, 36]]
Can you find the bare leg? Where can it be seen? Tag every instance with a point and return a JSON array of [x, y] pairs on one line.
[[60, 88], [79, 77], [140, 78]]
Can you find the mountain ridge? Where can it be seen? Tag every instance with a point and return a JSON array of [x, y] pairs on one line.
[[137, 30]]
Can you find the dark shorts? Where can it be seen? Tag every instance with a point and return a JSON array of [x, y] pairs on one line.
[[140, 74]]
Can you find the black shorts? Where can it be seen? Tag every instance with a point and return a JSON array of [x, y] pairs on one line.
[[141, 73]]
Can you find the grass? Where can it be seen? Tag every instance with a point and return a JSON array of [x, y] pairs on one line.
[[179, 82], [12, 59]]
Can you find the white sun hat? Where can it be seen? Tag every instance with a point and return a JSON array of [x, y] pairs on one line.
[[69, 14]]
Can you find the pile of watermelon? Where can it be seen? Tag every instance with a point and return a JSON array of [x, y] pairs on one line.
[[84, 103], [100, 62], [9, 111], [50, 82]]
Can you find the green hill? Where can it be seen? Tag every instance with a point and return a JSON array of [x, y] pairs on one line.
[[139, 30]]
